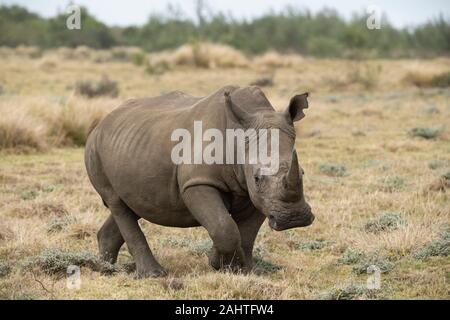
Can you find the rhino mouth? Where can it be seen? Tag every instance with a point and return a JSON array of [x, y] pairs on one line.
[[280, 225]]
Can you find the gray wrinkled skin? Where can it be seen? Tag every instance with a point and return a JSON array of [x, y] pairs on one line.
[[128, 160]]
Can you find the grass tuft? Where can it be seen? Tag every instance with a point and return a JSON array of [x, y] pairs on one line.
[[333, 170], [426, 133], [56, 262], [386, 222], [392, 184], [59, 223], [197, 247], [439, 247], [265, 266], [383, 264], [348, 292], [351, 256], [92, 89], [29, 195], [5, 269], [312, 245]]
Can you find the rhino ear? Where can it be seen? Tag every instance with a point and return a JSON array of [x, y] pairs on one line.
[[242, 115], [295, 109]]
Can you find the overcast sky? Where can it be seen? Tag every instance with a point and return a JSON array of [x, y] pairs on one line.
[[401, 13]]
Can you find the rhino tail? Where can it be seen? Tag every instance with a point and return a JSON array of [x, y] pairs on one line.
[[92, 126]]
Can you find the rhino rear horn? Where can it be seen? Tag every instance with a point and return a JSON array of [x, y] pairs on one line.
[[295, 109], [238, 112]]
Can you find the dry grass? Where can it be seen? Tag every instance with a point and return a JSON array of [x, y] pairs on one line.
[[47, 203], [204, 55]]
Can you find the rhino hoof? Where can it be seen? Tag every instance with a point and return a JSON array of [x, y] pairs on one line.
[[156, 273]]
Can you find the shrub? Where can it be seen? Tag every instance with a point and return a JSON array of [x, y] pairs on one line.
[[312, 245], [367, 75], [427, 133], [438, 247], [29, 195], [5, 269], [139, 58], [351, 256], [5, 233], [333, 170], [348, 292], [265, 266], [386, 222], [435, 164], [441, 80], [21, 132], [206, 55], [56, 262], [440, 184], [59, 223], [424, 80], [383, 264], [392, 183], [91, 89]]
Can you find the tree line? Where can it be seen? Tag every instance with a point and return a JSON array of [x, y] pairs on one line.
[[323, 34]]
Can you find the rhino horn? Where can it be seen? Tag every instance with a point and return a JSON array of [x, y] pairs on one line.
[[294, 171], [239, 113]]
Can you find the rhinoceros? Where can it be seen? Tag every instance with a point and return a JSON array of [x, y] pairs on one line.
[[128, 161]]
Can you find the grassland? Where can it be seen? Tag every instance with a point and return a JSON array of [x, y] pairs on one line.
[[380, 192]]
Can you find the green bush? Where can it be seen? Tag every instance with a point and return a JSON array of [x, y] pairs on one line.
[[383, 264], [312, 245], [348, 292], [59, 223], [92, 89], [322, 34], [427, 133], [5, 269], [351, 256], [386, 222], [265, 266], [438, 247], [29, 195], [56, 262], [333, 170]]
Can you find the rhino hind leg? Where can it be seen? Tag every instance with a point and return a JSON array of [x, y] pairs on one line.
[[127, 223], [110, 240]]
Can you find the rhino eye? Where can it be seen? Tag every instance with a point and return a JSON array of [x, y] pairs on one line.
[[258, 179]]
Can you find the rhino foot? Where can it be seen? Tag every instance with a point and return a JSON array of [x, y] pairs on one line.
[[151, 273], [226, 262]]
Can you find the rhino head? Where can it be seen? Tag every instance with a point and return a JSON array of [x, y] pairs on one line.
[[278, 196]]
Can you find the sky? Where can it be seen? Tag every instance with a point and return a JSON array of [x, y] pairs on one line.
[[401, 13]]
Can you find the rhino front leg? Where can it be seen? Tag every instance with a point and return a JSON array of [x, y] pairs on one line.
[[207, 207], [127, 221], [248, 229]]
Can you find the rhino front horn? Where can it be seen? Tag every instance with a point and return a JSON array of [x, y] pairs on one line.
[[294, 172]]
